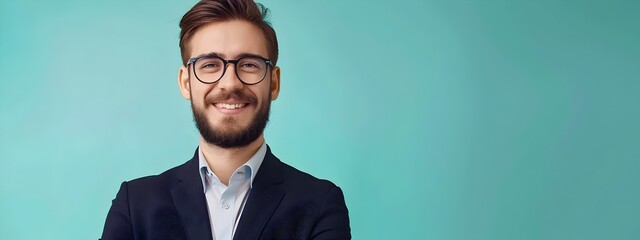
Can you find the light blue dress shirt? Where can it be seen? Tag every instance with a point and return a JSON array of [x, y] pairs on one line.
[[225, 203]]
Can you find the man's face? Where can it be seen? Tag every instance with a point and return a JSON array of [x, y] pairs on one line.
[[229, 113]]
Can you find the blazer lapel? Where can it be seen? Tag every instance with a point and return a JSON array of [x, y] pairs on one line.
[[264, 198], [189, 199]]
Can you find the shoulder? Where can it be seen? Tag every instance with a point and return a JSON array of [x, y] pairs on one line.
[[301, 183], [317, 205], [155, 185], [165, 177], [291, 173]]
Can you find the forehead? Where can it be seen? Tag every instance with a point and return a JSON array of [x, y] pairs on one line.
[[229, 39]]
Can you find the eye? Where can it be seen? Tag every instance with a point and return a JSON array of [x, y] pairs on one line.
[[209, 65], [249, 65]]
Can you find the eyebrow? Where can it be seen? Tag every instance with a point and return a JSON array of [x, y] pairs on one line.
[[215, 54]]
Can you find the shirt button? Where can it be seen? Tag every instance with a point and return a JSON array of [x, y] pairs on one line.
[[225, 206]]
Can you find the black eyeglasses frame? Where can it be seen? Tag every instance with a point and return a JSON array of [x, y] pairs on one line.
[[226, 62]]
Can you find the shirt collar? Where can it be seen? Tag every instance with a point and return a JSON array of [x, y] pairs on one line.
[[253, 164]]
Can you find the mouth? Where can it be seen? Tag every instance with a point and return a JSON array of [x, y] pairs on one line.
[[230, 105], [230, 108]]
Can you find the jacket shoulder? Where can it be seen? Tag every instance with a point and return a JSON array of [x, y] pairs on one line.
[[297, 180], [154, 184]]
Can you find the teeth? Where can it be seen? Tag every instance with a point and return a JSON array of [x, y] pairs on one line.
[[229, 106]]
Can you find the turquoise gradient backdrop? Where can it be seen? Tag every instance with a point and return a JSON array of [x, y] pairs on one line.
[[439, 119]]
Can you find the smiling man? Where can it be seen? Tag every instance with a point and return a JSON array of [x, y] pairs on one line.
[[233, 187]]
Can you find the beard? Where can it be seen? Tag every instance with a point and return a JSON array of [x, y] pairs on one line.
[[227, 135]]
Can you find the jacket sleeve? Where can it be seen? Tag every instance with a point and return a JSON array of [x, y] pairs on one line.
[[333, 219], [118, 224]]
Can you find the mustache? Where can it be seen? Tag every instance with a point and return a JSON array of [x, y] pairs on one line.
[[235, 95]]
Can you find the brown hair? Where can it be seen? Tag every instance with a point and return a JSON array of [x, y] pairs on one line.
[[209, 11]]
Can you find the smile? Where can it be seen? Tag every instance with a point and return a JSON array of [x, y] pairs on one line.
[[230, 106]]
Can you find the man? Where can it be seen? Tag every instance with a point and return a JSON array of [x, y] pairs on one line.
[[233, 187]]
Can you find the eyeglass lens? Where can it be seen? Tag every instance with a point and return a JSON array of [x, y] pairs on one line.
[[249, 70]]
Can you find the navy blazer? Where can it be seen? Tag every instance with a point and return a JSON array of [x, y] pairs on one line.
[[284, 203]]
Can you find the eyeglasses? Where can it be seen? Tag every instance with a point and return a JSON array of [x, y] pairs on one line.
[[249, 69]]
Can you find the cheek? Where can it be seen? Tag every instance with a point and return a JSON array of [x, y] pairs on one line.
[[199, 92], [263, 95], [266, 89]]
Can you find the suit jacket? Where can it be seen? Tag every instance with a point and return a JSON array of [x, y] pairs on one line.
[[284, 203]]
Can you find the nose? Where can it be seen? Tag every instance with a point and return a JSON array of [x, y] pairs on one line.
[[230, 80]]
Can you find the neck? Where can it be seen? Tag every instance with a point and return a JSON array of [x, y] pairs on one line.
[[224, 161]]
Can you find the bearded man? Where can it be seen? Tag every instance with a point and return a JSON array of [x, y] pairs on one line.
[[233, 187]]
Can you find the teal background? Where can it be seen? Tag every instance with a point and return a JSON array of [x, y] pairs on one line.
[[439, 119]]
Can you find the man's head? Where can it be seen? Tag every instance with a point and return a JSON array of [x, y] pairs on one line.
[[230, 100]]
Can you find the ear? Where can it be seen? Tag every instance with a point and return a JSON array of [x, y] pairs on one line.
[[183, 82], [275, 83]]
